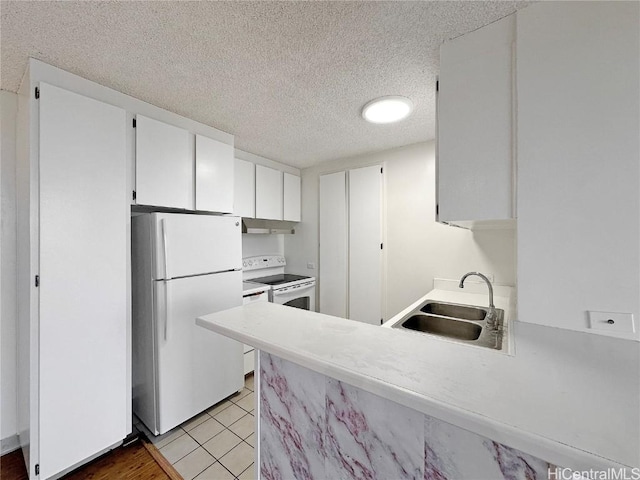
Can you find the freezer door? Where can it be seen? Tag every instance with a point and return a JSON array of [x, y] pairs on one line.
[[195, 244], [196, 367]]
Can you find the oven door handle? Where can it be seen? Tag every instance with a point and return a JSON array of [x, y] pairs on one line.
[[294, 289]]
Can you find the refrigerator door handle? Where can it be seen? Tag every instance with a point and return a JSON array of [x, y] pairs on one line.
[[164, 251], [166, 309]]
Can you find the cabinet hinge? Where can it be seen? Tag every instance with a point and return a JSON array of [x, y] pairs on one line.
[[134, 123], [381, 169], [437, 209], [437, 85], [37, 282], [381, 321], [37, 92], [37, 469], [134, 195], [381, 246]]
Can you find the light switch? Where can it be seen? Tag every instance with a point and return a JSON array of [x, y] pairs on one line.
[[612, 322]]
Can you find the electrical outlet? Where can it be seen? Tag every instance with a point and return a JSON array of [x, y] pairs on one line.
[[311, 266], [612, 321]]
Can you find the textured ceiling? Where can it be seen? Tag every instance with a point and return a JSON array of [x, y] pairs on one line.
[[288, 79]]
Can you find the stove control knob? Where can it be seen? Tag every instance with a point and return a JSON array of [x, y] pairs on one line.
[[244, 264]]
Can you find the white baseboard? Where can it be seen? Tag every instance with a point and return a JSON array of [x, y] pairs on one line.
[[9, 444]]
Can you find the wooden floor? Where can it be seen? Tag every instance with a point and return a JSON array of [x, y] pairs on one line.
[[12, 466], [135, 461]]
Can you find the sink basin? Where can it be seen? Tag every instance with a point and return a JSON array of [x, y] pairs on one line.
[[443, 326], [458, 323], [456, 311]]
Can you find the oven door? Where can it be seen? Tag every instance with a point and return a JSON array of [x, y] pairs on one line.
[[299, 296]]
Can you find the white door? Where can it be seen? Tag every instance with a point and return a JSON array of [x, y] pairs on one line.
[[333, 244], [365, 245], [291, 197], [196, 244], [214, 175], [164, 165], [84, 213], [196, 367], [269, 193], [244, 189]]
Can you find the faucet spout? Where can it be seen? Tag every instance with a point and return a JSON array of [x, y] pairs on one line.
[[492, 310]]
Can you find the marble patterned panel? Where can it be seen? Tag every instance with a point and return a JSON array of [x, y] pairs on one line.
[[369, 437], [292, 423], [452, 453]]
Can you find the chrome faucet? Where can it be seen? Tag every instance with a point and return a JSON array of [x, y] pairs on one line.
[[491, 316]]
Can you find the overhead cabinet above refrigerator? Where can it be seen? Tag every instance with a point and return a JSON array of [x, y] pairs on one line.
[[178, 169], [164, 165]]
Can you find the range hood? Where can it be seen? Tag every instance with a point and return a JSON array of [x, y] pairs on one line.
[[259, 225]]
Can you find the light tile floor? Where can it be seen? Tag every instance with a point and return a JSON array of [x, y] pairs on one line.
[[215, 445]]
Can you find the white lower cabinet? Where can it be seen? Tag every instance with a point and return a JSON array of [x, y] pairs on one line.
[[75, 391], [249, 351]]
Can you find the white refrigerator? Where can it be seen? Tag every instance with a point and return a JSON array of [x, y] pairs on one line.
[[183, 266]]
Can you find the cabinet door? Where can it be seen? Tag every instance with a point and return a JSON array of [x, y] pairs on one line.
[[164, 165], [291, 197], [269, 195], [214, 175], [84, 212], [474, 125], [333, 244], [244, 190], [365, 240], [578, 168]]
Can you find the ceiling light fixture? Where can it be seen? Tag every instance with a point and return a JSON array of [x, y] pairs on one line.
[[387, 109]]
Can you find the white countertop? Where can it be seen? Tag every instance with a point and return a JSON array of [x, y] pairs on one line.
[[570, 398]]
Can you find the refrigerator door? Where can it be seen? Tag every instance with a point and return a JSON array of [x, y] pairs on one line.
[[195, 244], [196, 368]]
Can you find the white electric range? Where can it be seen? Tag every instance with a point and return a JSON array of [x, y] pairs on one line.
[[297, 291]]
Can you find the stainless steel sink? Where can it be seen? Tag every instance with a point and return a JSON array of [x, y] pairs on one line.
[[446, 327], [460, 323], [455, 311]]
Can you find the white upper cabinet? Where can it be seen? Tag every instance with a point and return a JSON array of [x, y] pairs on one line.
[[269, 193], [244, 203], [214, 175], [164, 165], [291, 197], [475, 128]]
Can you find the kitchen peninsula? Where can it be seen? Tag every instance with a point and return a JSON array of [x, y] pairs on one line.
[[343, 399]]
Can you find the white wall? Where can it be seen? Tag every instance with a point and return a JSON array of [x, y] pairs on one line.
[[417, 248], [8, 110]]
